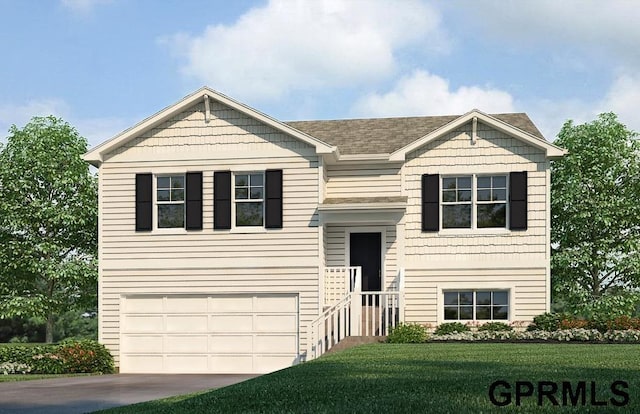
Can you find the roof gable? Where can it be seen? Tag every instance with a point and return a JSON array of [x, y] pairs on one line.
[[551, 151], [393, 135], [96, 155]]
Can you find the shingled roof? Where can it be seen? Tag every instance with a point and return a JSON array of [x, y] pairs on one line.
[[386, 135]]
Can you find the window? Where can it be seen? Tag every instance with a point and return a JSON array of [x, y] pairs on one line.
[[170, 201], [249, 199], [456, 202], [476, 305], [491, 209], [474, 202]]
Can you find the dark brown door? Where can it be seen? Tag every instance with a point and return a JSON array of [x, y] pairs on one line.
[[365, 251]]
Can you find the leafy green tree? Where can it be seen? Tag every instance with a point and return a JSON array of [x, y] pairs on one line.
[[595, 208], [48, 223]]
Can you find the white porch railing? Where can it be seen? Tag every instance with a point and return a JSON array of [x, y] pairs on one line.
[[355, 313], [338, 282]]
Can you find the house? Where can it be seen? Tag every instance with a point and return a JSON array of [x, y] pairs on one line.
[[230, 241]]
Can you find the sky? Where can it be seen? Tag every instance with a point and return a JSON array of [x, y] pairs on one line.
[[105, 65]]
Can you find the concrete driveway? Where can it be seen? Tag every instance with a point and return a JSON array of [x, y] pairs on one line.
[[87, 394]]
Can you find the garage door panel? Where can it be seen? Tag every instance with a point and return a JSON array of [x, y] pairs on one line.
[[143, 305], [143, 343], [231, 344], [276, 304], [143, 323], [186, 363], [231, 323], [270, 323], [231, 303], [186, 323], [186, 305], [142, 363], [228, 364], [186, 344], [275, 344], [238, 333]]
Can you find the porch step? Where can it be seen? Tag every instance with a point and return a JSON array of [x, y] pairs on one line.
[[351, 341]]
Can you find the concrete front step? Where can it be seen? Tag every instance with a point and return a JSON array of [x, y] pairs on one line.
[[351, 341]]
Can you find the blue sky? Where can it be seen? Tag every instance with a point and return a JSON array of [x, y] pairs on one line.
[[104, 65]]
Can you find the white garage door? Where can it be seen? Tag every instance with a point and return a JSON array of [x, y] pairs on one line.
[[208, 334]]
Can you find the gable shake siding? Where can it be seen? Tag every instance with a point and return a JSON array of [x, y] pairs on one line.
[[474, 258], [208, 261]]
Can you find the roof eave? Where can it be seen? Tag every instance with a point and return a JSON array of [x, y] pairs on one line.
[[95, 156], [551, 151]]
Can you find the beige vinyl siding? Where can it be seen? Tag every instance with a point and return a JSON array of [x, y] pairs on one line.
[[337, 254], [209, 261], [493, 153], [363, 180], [516, 260], [422, 298]]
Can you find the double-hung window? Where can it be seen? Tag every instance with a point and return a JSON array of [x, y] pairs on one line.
[[249, 199], [476, 305], [170, 201], [491, 199], [474, 201]]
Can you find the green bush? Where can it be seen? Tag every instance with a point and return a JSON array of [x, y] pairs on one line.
[[546, 322], [85, 356], [451, 327], [67, 357], [407, 333], [495, 327]]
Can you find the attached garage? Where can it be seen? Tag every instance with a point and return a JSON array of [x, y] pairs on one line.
[[248, 333]]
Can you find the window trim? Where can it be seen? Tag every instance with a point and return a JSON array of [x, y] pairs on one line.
[[463, 286], [474, 205], [234, 226], [156, 203]]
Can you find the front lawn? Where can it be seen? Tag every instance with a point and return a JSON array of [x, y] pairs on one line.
[[433, 378]]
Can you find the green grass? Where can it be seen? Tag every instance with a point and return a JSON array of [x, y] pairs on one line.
[[431, 378], [31, 377]]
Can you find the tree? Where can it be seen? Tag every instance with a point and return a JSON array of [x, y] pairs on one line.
[[48, 222], [595, 208]]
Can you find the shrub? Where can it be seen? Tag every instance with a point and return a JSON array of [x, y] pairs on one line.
[[495, 327], [546, 322], [451, 327], [85, 356], [68, 357], [46, 362], [622, 323], [568, 322], [7, 368], [407, 333]]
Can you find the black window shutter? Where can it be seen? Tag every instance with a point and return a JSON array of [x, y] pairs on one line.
[[518, 200], [193, 201], [430, 202], [273, 199], [222, 200], [144, 202]]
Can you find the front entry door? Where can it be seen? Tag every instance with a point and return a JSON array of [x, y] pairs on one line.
[[365, 251]]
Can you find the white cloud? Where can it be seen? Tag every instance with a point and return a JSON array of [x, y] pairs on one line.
[[422, 93], [301, 45], [622, 98], [20, 114], [95, 130], [591, 26], [82, 6]]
